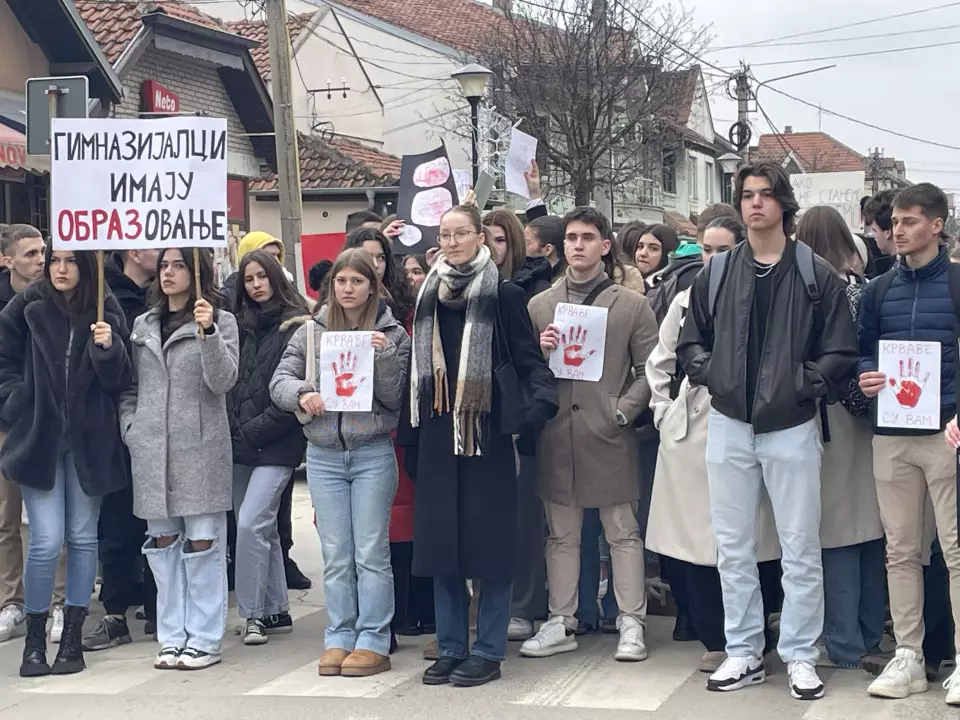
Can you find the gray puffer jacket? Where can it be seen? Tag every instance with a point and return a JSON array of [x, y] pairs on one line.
[[346, 430]]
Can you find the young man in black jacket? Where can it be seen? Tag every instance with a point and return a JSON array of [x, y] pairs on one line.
[[768, 343], [127, 581]]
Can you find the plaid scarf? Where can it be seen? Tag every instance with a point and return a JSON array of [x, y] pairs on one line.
[[473, 286]]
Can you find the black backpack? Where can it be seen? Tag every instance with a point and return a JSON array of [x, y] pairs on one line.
[[662, 294]]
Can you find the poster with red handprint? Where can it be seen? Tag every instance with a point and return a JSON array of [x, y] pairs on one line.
[[346, 371], [583, 336], [911, 396]]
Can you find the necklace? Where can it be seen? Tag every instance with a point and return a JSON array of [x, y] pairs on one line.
[[764, 270]]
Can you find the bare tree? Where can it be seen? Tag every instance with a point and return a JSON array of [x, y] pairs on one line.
[[595, 82]]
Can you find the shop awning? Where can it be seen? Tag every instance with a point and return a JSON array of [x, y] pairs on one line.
[[13, 153]]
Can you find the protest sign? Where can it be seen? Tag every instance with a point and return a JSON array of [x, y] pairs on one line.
[[346, 371], [121, 184], [484, 188], [520, 157], [583, 337], [911, 397], [463, 182], [840, 190], [427, 191]]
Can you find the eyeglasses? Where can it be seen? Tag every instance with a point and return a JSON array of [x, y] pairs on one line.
[[460, 235]]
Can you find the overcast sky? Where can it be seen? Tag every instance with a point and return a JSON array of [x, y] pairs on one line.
[[910, 92]]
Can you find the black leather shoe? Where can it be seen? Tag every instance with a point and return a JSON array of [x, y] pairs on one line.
[[69, 658], [296, 580], [35, 647], [440, 672], [475, 671]]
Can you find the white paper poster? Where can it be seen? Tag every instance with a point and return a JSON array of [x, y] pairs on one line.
[[121, 184], [583, 336], [346, 371], [520, 157], [463, 181], [911, 397], [840, 190]]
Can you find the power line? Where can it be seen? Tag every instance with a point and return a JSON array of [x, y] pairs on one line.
[[861, 122], [856, 55], [859, 23], [850, 39]]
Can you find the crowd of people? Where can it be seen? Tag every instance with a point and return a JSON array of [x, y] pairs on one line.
[[731, 435]]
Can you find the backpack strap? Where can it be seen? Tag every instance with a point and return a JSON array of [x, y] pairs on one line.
[[595, 293], [883, 283], [805, 263], [717, 268], [953, 280]]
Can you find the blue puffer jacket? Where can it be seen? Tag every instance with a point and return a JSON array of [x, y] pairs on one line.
[[916, 306]]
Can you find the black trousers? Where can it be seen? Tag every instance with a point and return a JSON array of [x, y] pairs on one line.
[[127, 580], [530, 566], [706, 601], [937, 613], [413, 595]]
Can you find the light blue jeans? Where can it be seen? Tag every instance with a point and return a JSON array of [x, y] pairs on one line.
[[352, 492], [261, 578], [787, 463], [191, 586], [64, 515]]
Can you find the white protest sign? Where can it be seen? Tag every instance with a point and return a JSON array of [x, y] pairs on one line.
[[583, 337], [346, 371], [463, 181], [840, 190], [520, 157], [911, 397], [138, 184]]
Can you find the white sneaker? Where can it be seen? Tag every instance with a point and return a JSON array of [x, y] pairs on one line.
[[167, 658], [13, 623], [553, 639], [631, 647], [805, 684], [519, 629], [903, 676], [192, 659], [952, 685], [736, 673], [56, 629]]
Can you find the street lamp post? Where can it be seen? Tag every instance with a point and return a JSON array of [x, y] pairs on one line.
[[729, 164], [473, 83]]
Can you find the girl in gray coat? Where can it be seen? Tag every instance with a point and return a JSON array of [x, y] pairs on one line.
[[351, 466], [174, 422]]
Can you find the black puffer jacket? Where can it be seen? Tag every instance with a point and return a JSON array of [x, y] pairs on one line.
[[535, 276], [798, 365], [263, 434]]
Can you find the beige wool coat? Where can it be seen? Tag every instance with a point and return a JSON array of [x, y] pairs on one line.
[[585, 459], [679, 525]]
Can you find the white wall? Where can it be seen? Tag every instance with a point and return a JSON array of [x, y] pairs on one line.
[[22, 58], [236, 11], [318, 217]]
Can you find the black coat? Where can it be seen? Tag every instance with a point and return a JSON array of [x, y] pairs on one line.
[[6, 288], [34, 390], [263, 434], [131, 297], [465, 508], [535, 276], [803, 358]]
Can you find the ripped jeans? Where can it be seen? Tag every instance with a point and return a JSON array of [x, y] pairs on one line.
[[191, 586]]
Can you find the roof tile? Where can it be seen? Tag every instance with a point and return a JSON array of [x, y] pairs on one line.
[[814, 151]]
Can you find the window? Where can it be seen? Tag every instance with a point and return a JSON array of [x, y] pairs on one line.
[[692, 178], [709, 177], [669, 172]]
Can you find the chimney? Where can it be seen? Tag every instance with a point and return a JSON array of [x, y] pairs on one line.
[[787, 129]]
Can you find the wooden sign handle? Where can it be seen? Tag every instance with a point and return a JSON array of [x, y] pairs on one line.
[[100, 286], [196, 279]]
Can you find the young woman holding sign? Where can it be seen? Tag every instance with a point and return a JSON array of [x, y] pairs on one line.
[[174, 421], [351, 466], [267, 443], [60, 373]]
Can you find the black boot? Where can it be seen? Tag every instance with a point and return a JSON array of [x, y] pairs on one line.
[[70, 656], [296, 580], [35, 648]]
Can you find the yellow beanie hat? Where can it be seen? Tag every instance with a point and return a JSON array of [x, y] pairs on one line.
[[257, 240]]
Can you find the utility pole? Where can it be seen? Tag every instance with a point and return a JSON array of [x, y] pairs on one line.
[[740, 133], [288, 158], [875, 167]]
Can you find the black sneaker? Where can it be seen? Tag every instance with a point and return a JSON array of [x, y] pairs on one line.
[[111, 632], [475, 671], [296, 580], [279, 624], [439, 673]]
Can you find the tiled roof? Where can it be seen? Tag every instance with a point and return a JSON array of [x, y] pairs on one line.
[[339, 163], [680, 224], [463, 25], [676, 91], [257, 30], [114, 23], [814, 152]]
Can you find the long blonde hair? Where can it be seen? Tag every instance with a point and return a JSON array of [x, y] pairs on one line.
[[359, 260]]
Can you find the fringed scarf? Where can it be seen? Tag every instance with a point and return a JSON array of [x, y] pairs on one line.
[[474, 287]]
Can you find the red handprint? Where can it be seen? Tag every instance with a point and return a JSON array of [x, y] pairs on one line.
[[573, 342], [343, 376], [909, 387]]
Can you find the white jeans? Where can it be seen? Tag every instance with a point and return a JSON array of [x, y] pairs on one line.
[[191, 586]]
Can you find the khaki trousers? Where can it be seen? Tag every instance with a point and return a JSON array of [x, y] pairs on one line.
[[11, 548], [907, 469], [626, 556]]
